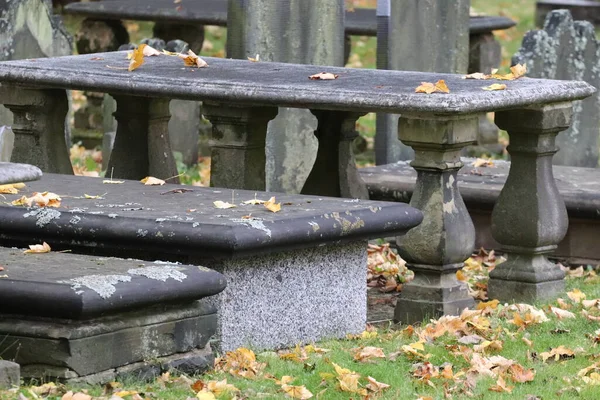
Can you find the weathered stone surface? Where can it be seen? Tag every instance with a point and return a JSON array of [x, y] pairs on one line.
[[582, 10], [568, 50], [301, 296], [86, 286], [7, 142], [405, 26], [65, 348], [97, 36], [10, 374], [13, 173], [278, 31]]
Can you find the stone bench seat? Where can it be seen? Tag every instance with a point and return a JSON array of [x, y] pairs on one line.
[[480, 188], [78, 317], [297, 275]]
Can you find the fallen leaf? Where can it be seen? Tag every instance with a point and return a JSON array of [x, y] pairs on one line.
[[152, 181], [495, 86], [501, 386], [150, 51], [375, 386], [558, 353], [136, 57], [323, 76], [45, 199], [576, 295], [428, 87], [90, 197], [272, 206], [205, 396], [12, 188], [477, 75], [482, 162], [223, 204], [561, 314], [192, 60], [365, 354], [520, 374], [110, 181], [518, 70], [297, 392], [255, 59]]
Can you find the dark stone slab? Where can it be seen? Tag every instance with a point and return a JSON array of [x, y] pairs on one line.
[[585, 10], [156, 219], [360, 21], [87, 286], [13, 173], [278, 84]]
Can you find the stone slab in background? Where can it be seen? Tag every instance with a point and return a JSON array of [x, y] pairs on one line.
[[13, 173], [568, 50], [7, 142], [583, 10], [10, 374]]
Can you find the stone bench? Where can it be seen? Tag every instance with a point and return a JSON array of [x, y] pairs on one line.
[[582, 10], [480, 188], [77, 317], [297, 275]]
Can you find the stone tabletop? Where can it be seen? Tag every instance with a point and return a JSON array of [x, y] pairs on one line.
[[360, 21], [74, 286], [278, 84], [175, 219], [14, 172]]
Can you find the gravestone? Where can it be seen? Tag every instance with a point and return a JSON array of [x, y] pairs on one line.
[[295, 31], [417, 35], [29, 30], [568, 50], [7, 141]]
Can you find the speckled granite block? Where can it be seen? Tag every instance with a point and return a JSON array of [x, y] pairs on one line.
[[281, 299]]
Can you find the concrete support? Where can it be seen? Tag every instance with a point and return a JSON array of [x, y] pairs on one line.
[[403, 29], [530, 217], [295, 31], [436, 248]]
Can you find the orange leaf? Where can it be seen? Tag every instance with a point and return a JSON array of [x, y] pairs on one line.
[[38, 248], [192, 60], [519, 70], [152, 181], [520, 374], [272, 206], [136, 57], [428, 87], [495, 86]]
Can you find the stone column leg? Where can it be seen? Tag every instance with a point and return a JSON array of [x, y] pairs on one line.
[[530, 217], [39, 127], [141, 146], [437, 248], [334, 172], [238, 145]]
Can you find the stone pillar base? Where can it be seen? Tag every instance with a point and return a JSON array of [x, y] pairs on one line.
[[525, 292]]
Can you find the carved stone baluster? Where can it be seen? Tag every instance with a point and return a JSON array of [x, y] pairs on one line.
[[39, 127], [530, 217], [334, 172], [142, 145], [437, 248], [238, 145]]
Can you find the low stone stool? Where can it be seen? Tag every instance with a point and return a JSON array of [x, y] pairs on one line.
[[75, 317]]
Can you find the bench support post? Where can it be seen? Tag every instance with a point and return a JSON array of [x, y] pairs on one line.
[[142, 145], [334, 172], [530, 217], [39, 127], [238, 145], [436, 248]]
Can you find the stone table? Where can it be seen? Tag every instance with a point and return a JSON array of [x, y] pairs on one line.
[[242, 96], [13, 173]]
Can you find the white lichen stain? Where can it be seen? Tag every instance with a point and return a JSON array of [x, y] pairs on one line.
[[450, 182], [142, 232], [43, 216], [253, 223], [348, 226], [75, 220], [104, 285], [449, 207], [159, 273], [315, 226]]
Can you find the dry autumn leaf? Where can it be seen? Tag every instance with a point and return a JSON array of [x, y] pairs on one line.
[[482, 162], [192, 60], [272, 206], [12, 188], [254, 59], [152, 181], [45, 199], [297, 392], [495, 86], [203, 395], [223, 204], [38, 248], [520, 374], [576, 295], [558, 353], [477, 75], [136, 57], [518, 70], [366, 354], [375, 386], [150, 51], [429, 88], [323, 76]]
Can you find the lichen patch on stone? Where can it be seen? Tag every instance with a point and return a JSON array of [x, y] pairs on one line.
[[104, 285], [43, 216], [159, 273], [253, 223]]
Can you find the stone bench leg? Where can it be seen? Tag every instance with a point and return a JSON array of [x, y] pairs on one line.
[[141, 146], [239, 135], [530, 217], [39, 127], [334, 172], [437, 248]]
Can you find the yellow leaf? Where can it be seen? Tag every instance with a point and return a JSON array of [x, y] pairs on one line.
[[560, 352], [518, 70], [441, 86], [45, 199], [428, 87], [125, 393], [297, 392], [192, 60], [256, 59], [38, 248], [375, 386], [90, 197], [152, 181], [136, 57], [205, 396], [482, 162], [477, 75], [169, 53], [493, 304], [461, 276], [495, 86], [223, 204], [576, 295], [323, 76], [110, 181], [272, 206], [219, 387], [501, 386], [254, 201], [11, 188], [365, 354]]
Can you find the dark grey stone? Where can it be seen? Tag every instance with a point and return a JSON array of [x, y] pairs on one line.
[[97, 36], [86, 286], [13, 173], [583, 10], [7, 142], [10, 374], [177, 46], [158, 43], [568, 50]]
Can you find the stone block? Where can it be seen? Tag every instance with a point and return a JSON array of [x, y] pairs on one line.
[[10, 374], [7, 140]]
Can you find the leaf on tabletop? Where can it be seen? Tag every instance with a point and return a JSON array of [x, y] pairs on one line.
[[477, 75], [150, 51], [254, 59], [495, 86], [223, 204], [323, 76], [152, 181], [482, 162], [91, 197], [272, 206], [254, 201], [192, 60], [297, 392], [45, 199], [38, 248], [518, 70], [12, 188], [136, 57], [428, 87]]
